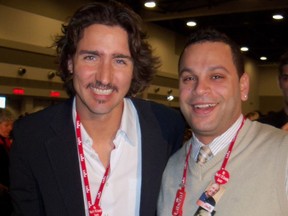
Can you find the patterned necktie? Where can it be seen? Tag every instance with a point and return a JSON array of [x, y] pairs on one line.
[[204, 155]]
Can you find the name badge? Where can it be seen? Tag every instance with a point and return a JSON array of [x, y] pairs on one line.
[[209, 198]]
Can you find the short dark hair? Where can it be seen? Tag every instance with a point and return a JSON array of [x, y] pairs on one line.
[[109, 13], [283, 61], [209, 34]]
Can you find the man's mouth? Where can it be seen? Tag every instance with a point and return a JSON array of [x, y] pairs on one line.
[[204, 106], [102, 91]]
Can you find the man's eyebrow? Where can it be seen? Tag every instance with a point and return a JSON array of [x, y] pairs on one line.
[[185, 69], [120, 55], [218, 67], [92, 52], [116, 55]]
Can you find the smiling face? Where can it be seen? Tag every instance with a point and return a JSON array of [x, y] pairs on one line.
[[213, 189], [210, 90], [102, 70]]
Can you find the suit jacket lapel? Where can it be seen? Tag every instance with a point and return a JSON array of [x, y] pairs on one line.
[[62, 150], [153, 158]]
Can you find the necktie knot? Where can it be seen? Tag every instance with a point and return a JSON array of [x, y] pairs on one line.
[[204, 155]]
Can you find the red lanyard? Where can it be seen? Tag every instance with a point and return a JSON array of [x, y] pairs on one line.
[[94, 210], [181, 193], [221, 176]]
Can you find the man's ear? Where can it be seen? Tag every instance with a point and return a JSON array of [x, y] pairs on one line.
[[244, 86]]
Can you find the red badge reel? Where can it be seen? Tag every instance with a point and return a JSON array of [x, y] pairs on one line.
[[222, 176], [95, 210]]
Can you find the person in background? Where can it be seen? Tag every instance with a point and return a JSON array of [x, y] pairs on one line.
[[280, 119], [253, 115], [103, 151], [6, 126], [243, 156]]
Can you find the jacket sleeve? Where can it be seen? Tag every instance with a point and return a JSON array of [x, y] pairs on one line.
[[23, 187]]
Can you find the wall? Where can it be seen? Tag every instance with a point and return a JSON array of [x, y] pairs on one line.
[[270, 95], [26, 38], [253, 100]]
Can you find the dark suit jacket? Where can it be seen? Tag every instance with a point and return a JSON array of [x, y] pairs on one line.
[[45, 175], [276, 119]]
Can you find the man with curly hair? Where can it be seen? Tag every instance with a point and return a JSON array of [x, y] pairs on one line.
[[103, 151]]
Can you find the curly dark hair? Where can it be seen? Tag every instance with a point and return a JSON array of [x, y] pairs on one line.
[[109, 13], [209, 34]]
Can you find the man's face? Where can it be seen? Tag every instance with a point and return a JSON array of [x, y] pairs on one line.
[[213, 189], [283, 83], [210, 89], [102, 69]]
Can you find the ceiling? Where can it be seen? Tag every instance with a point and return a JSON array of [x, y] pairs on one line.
[[248, 22]]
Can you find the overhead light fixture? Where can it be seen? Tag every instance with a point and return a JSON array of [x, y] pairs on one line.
[[277, 17], [150, 4], [51, 75], [156, 90], [21, 71], [263, 58], [191, 23], [244, 49], [170, 97]]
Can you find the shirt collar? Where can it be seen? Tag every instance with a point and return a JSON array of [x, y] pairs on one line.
[[219, 142], [128, 125]]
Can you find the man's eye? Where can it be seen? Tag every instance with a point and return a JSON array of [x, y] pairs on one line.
[[188, 78], [120, 61], [89, 58], [215, 77]]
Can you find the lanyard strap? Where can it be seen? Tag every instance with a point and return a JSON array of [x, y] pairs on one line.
[[177, 209], [184, 178], [227, 156], [180, 194], [85, 173]]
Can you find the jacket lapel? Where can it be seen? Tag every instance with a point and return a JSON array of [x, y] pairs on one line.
[[153, 158], [62, 151]]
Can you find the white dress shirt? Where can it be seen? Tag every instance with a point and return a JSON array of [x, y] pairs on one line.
[[121, 193]]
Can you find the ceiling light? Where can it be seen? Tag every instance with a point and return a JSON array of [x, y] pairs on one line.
[[51, 75], [150, 4], [21, 71], [156, 90], [191, 23], [278, 16], [170, 97], [244, 49], [263, 58]]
